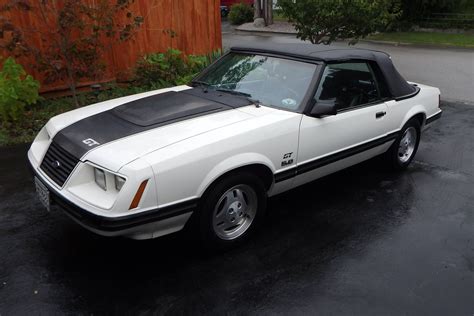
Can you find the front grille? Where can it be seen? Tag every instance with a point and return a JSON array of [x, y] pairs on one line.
[[58, 164]]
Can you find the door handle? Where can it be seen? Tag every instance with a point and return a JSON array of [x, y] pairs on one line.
[[380, 114]]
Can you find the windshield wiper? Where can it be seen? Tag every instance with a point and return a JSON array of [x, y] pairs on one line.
[[200, 83], [254, 102], [240, 93], [234, 92]]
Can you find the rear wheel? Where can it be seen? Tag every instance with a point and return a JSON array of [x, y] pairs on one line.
[[231, 210], [404, 148]]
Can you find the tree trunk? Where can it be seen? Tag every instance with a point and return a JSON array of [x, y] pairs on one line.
[[257, 9], [72, 83], [268, 11]]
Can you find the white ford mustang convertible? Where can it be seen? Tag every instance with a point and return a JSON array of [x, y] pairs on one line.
[[259, 121]]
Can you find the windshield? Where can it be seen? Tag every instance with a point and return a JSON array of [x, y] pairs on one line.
[[273, 81]]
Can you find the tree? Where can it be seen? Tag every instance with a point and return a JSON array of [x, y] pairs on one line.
[[268, 11], [323, 21], [73, 36], [257, 9], [263, 9]]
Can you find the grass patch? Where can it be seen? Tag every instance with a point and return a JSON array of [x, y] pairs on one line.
[[278, 17], [460, 40]]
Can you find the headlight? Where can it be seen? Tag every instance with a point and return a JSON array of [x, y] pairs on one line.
[[99, 177], [119, 182]]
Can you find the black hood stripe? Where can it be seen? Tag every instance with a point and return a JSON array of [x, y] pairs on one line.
[[142, 115]]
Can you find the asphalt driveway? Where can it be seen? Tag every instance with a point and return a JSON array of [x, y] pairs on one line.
[[363, 241]]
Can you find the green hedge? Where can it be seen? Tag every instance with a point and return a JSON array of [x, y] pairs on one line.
[[241, 13], [170, 68]]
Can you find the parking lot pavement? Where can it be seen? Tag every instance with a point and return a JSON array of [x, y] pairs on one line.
[[363, 241]]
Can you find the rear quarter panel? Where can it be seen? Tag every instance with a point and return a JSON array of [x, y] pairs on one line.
[[425, 102]]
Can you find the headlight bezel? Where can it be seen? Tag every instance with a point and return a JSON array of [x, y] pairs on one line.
[[107, 180]]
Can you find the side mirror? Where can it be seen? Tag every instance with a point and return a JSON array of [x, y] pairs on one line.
[[324, 108]]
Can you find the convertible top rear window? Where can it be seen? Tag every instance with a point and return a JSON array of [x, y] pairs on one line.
[[273, 81]]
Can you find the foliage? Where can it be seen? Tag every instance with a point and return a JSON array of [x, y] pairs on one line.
[[159, 74], [413, 10], [465, 6], [323, 21], [73, 37], [17, 89], [241, 13], [35, 116], [159, 70], [437, 14]]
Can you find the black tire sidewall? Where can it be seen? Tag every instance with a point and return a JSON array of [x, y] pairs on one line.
[[393, 153], [212, 196]]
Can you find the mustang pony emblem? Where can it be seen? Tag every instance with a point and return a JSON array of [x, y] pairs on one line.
[[90, 142], [55, 164]]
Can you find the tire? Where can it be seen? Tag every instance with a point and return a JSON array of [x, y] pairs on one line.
[[405, 146], [231, 210]]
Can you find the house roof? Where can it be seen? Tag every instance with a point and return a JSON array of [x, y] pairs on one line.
[[397, 85]]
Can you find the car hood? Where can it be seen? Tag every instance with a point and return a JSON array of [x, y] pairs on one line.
[[113, 134]]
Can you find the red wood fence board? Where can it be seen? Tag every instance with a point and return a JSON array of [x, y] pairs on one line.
[[195, 23]]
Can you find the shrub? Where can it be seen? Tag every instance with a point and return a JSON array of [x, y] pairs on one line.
[[413, 10], [160, 70], [324, 21], [240, 13], [17, 89]]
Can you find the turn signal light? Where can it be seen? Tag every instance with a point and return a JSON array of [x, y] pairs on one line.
[[138, 195]]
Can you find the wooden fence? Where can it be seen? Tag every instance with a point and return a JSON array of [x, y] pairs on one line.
[[195, 23]]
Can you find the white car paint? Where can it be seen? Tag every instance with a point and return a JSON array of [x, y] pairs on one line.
[[181, 160]]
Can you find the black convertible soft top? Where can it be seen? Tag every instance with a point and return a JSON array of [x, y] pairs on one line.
[[398, 87]]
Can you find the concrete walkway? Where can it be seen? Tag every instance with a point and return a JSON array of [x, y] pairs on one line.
[[277, 27]]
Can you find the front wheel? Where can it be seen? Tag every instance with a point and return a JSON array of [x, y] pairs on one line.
[[404, 148], [231, 210]]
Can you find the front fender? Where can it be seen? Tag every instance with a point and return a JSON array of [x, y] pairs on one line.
[[232, 163]]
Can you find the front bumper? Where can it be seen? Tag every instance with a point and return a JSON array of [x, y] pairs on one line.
[[146, 224]]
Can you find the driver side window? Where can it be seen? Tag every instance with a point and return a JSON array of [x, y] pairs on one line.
[[348, 85]]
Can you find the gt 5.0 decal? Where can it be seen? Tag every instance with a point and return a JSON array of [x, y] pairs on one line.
[[287, 160]]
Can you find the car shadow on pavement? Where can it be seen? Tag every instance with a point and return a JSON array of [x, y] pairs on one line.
[[306, 227]]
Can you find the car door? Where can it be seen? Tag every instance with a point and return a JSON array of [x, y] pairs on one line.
[[357, 132]]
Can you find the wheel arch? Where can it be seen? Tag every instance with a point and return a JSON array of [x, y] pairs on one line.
[[259, 165], [418, 113]]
